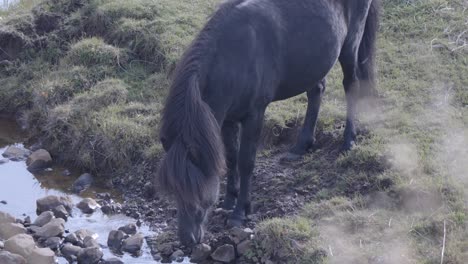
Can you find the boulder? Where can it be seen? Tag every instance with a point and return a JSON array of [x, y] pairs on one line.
[[129, 229], [88, 205], [82, 233], [90, 255], [43, 219], [21, 244], [200, 253], [61, 212], [53, 243], [11, 229], [6, 218], [82, 183], [39, 159], [50, 202], [89, 242], [225, 254], [114, 241], [54, 228], [177, 256], [10, 258], [243, 247], [133, 244], [69, 250], [42, 256], [16, 153], [238, 234]]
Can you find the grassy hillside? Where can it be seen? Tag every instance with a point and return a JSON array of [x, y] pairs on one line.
[[88, 78]]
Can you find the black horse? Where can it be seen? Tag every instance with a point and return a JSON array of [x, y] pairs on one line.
[[249, 54]]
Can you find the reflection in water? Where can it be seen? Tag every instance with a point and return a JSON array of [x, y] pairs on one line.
[[20, 189]]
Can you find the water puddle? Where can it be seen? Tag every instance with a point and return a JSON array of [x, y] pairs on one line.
[[20, 189]]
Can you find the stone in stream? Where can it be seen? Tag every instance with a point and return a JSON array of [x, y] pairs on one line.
[[8, 230], [90, 242], [6, 218], [112, 261], [43, 218], [224, 254], [243, 247], [88, 205], [53, 243], [42, 256], [3, 161], [114, 241], [10, 258], [82, 183], [82, 233], [50, 202], [177, 256], [69, 250], [90, 255], [133, 244], [16, 153], [54, 228], [61, 212], [129, 229], [72, 238], [38, 160], [200, 252], [21, 244]]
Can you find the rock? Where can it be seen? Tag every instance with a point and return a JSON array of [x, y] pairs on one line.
[[3, 202], [6, 218], [82, 233], [27, 221], [72, 238], [2, 245], [88, 205], [165, 249], [11, 229], [21, 244], [148, 190], [50, 202], [129, 229], [10, 258], [178, 256], [38, 160], [43, 218], [200, 253], [224, 254], [112, 261], [243, 247], [82, 183], [104, 196], [114, 241], [69, 250], [3, 161], [53, 243], [16, 153], [238, 235], [54, 228], [42, 256], [133, 244], [90, 242], [33, 229], [90, 255], [66, 173], [61, 212]]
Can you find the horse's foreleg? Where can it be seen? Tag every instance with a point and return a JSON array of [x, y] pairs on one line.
[[251, 130], [231, 142], [306, 138], [351, 85]]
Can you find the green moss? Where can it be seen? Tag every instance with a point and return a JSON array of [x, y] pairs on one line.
[[95, 52]]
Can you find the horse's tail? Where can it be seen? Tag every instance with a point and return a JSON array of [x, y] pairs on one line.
[[367, 51], [191, 136]]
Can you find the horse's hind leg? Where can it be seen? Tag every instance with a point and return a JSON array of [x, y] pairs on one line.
[[230, 132], [306, 138], [251, 130], [349, 64]]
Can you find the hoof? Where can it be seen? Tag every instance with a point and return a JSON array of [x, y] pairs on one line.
[[347, 146]]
